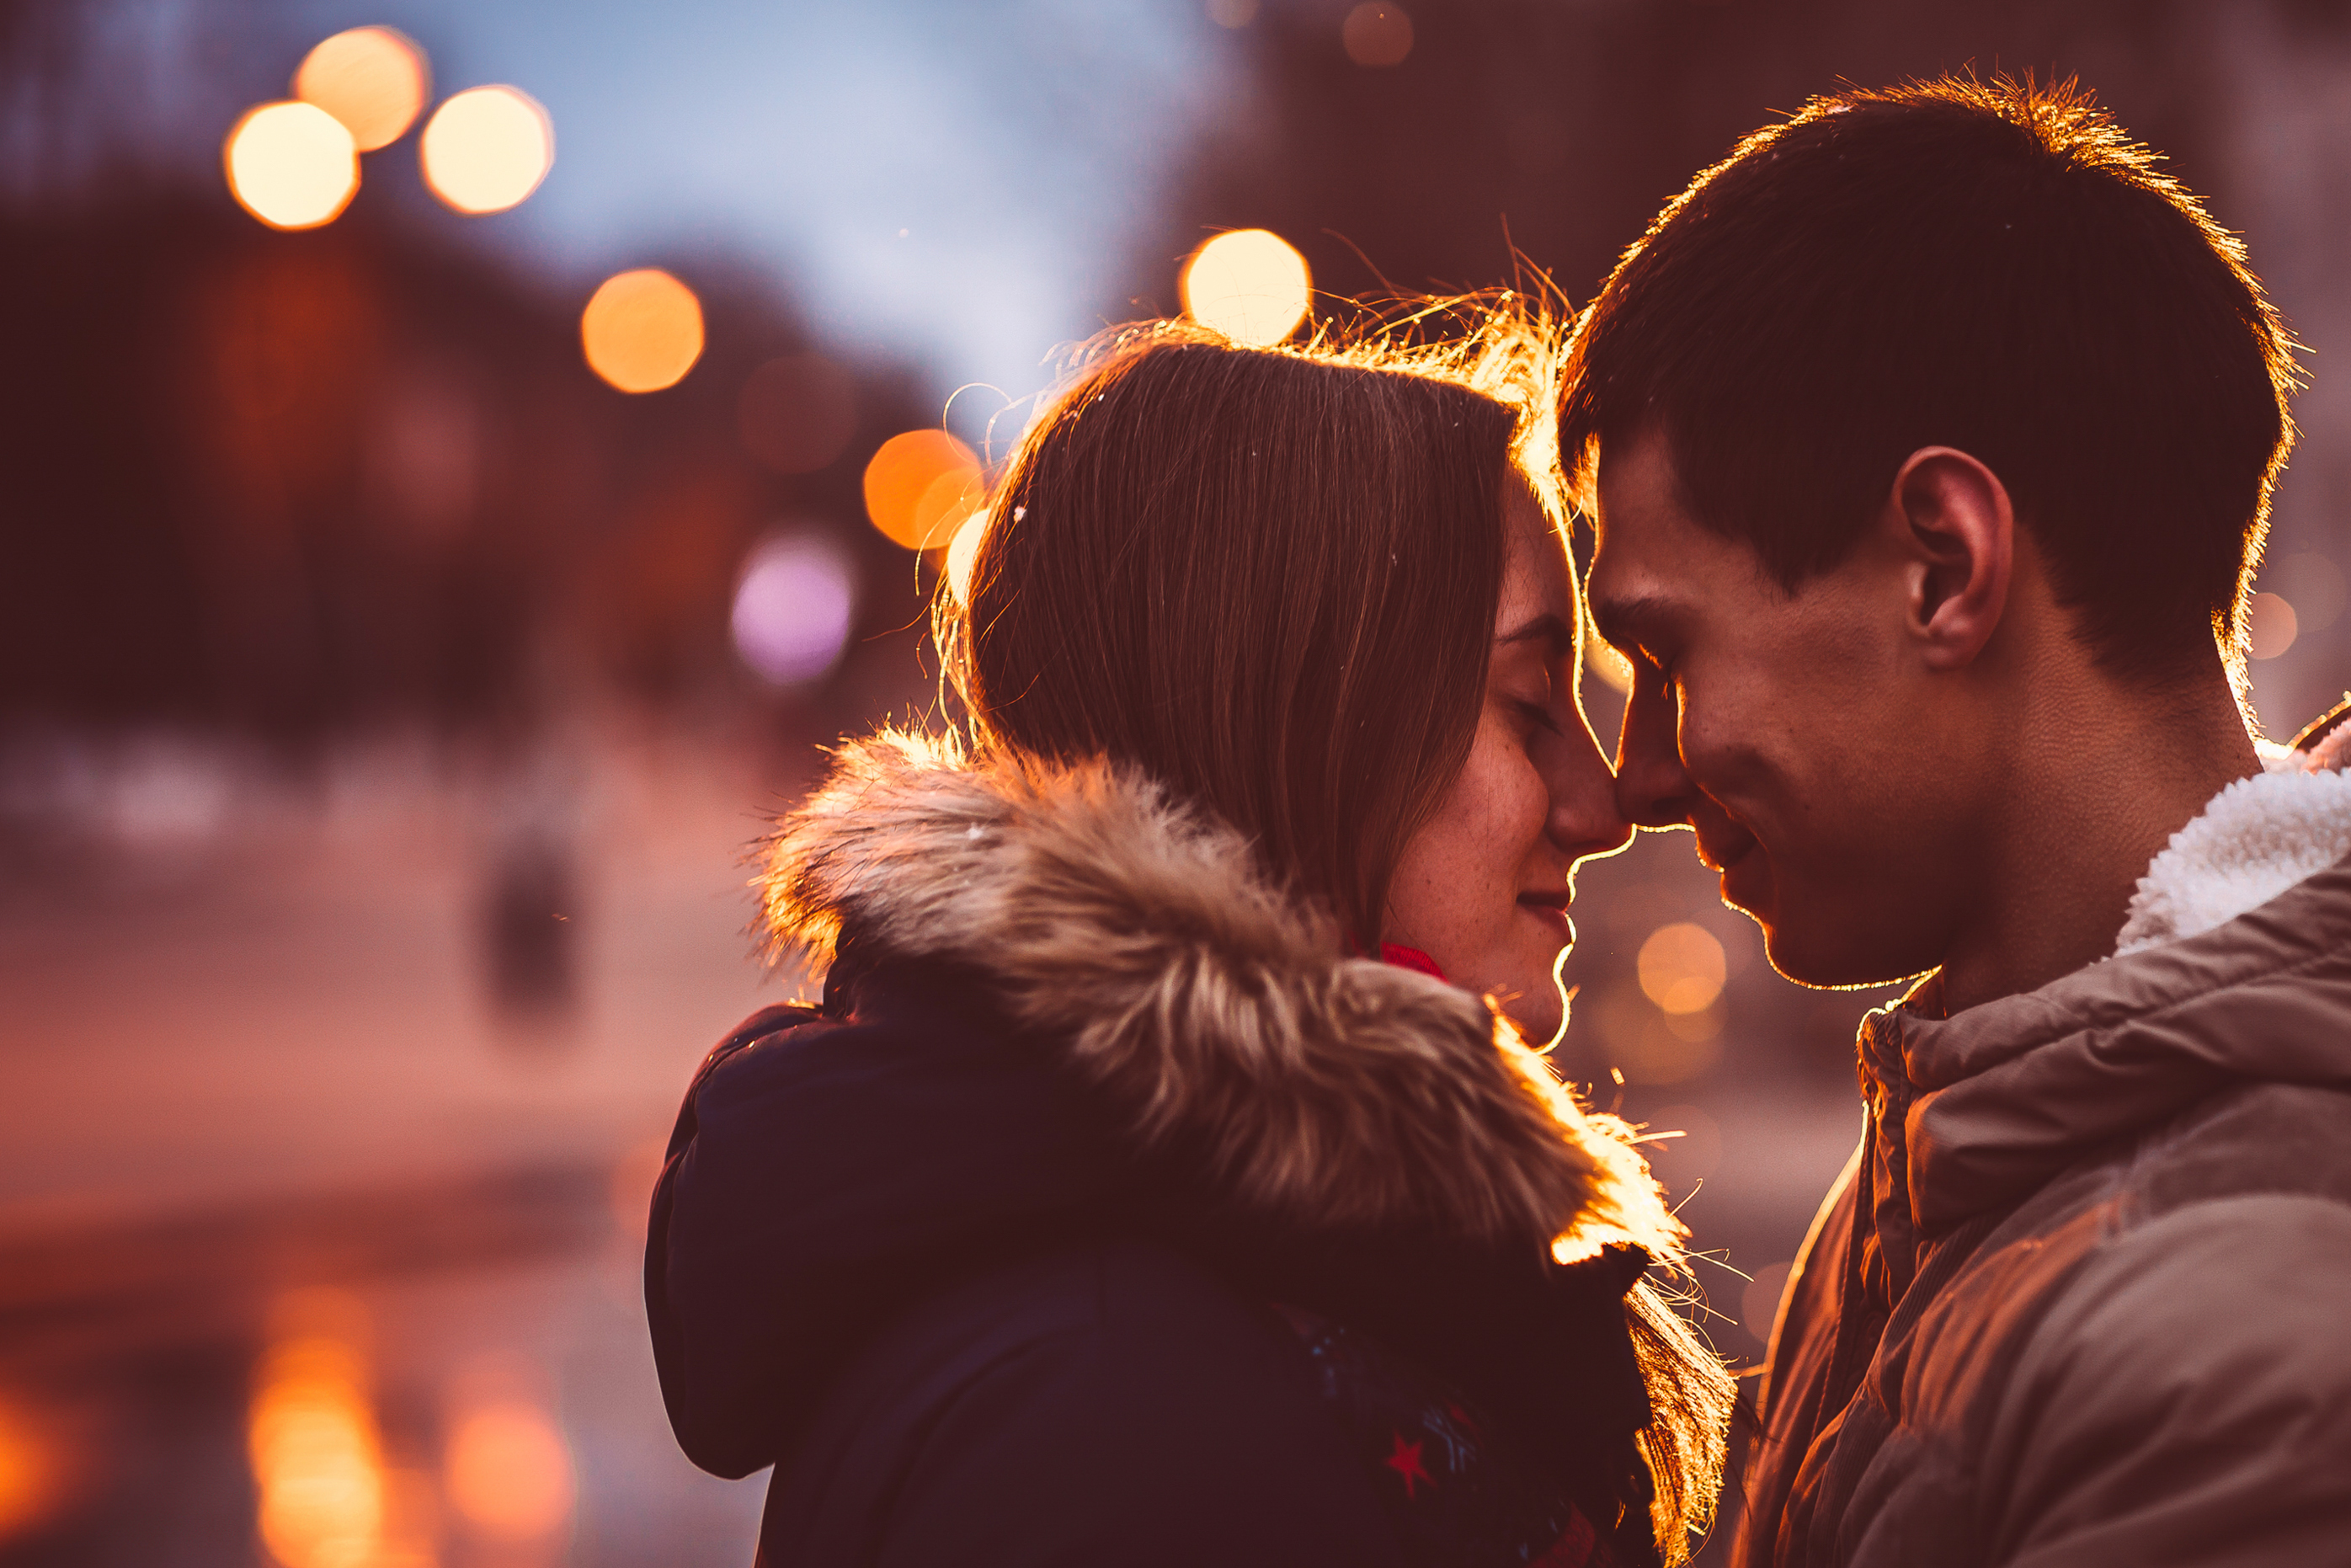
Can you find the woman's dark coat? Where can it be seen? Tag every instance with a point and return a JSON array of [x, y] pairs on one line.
[[1101, 1215]]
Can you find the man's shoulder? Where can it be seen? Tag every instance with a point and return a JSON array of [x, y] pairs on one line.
[[2245, 1170], [2262, 1138]]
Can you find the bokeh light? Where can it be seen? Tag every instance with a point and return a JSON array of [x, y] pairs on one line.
[[1232, 12], [311, 1437], [2272, 624], [1650, 1046], [292, 165], [949, 502], [917, 487], [33, 1469], [373, 79], [797, 413], [486, 149], [1249, 285], [1758, 1303], [1682, 967], [641, 331], [794, 604], [1376, 34], [508, 1472], [2312, 584]]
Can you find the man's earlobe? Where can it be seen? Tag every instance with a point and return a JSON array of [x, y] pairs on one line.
[[1957, 530]]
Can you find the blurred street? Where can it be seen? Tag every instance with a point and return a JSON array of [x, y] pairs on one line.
[[256, 1048]]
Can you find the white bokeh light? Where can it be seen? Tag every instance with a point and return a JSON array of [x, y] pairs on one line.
[[793, 607]]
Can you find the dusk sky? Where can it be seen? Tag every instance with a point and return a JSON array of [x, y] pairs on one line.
[[956, 184]]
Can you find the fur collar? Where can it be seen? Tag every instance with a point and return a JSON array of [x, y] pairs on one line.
[[1203, 1002], [2254, 839]]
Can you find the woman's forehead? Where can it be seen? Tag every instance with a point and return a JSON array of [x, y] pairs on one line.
[[1538, 578]]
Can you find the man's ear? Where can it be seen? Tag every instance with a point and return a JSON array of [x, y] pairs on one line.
[[1957, 532]]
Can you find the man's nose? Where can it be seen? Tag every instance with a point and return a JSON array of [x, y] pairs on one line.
[[1653, 788]]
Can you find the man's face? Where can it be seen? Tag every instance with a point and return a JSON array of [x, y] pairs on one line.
[[1829, 778]]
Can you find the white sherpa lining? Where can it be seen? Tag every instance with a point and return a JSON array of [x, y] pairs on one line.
[[2254, 839]]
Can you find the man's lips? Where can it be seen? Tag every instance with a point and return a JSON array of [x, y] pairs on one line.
[[1723, 848]]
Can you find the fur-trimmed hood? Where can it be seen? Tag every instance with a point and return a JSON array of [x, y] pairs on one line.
[[1210, 1009]]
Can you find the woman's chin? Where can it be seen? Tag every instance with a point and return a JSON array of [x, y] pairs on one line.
[[1532, 998], [1536, 1011]]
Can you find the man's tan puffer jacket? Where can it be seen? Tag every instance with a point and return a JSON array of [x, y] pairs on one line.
[[2084, 1296]]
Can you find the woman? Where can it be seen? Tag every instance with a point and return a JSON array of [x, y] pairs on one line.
[[1113, 1207]]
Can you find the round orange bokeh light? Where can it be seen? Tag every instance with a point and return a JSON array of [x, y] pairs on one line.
[[1251, 285], [292, 165], [641, 331], [486, 149], [373, 79], [920, 487]]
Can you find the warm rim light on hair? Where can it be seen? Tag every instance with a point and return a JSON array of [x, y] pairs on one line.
[[963, 552], [1251, 285], [2270, 626], [373, 79], [641, 331], [292, 165], [486, 149], [921, 486]]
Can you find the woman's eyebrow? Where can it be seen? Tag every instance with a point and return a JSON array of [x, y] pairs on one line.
[[1547, 626]]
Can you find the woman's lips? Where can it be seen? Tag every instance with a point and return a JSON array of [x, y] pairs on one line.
[[1550, 907]]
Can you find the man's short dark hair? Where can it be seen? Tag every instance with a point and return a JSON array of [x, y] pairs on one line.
[[1994, 267]]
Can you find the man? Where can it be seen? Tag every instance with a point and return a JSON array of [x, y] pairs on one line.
[[1930, 439]]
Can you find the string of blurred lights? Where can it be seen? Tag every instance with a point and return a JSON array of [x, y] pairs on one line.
[[294, 164]]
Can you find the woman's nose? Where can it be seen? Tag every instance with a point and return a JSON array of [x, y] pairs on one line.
[[1584, 818]]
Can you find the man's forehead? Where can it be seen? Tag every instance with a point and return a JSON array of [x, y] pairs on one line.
[[1636, 493], [1643, 549]]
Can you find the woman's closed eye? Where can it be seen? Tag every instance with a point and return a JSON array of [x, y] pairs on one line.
[[1539, 713]]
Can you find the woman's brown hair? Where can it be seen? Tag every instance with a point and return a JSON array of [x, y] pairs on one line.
[[1268, 577]]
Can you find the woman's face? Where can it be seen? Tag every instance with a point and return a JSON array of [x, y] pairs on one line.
[[1483, 888]]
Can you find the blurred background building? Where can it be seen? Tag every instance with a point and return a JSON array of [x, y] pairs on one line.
[[453, 475]]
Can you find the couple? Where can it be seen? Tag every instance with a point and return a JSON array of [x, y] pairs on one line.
[[1165, 1176]]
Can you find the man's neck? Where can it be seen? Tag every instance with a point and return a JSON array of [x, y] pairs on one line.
[[2097, 788]]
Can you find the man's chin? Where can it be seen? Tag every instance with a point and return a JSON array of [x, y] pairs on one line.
[[1825, 958]]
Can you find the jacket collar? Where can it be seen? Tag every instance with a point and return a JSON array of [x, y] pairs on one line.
[[2235, 965], [1217, 1014]]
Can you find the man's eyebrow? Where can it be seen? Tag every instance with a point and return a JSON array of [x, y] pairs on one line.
[[1556, 634], [1622, 621]]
